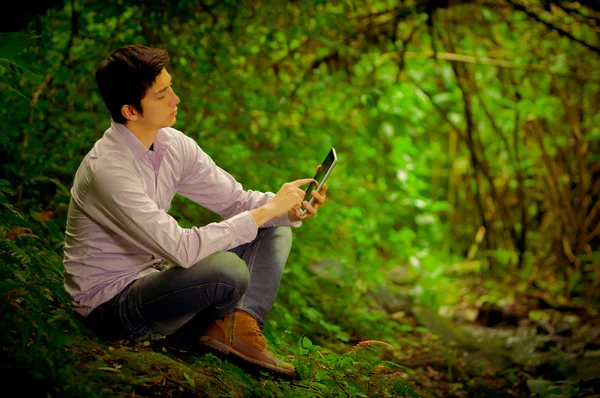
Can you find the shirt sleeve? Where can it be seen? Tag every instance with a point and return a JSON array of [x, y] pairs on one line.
[[208, 185], [117, 200]]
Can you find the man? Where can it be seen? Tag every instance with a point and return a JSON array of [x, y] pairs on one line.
[[225, 275]]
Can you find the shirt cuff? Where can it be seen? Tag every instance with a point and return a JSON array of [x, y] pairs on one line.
[[244, 228], [283, 221]]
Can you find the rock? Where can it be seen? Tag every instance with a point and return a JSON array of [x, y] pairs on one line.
[[392, 299], [330, 268], [479, 349]]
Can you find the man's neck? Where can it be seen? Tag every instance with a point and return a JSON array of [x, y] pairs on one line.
[[144, 134]]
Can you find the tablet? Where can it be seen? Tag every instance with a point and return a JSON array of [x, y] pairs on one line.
[[321, 177]]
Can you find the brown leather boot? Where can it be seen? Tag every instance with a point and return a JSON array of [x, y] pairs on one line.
[[238, 333]]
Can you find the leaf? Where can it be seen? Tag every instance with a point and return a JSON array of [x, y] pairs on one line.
[[439, 206], [555, 391], [442, 98], [594, 135], [593, 158], [189, 380], [109, 369], [394, 365], [322, 375], [538, 386], [12, 43], [21, 70], [305, 342], [343, 336], [6, 87]]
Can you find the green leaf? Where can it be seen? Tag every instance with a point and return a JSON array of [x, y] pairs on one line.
[[439, 206], [28, 74], [189, 380], [305, 342], [109, 369], [593, 158], [594, 135], [442, 98], [12, 43], [343, 336], [6, 87], [393, 365], [538, 386], [554, 391]]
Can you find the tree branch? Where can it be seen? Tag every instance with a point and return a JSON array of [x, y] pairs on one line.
[[560, 31], [593, 4], [402, 51], [499, 63], [575, 11]]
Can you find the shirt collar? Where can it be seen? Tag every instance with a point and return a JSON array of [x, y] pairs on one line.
[[135, 145]]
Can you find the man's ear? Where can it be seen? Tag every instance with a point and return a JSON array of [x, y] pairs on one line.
[[129, 112]]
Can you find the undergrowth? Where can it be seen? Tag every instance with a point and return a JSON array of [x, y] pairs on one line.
[[326, 331]]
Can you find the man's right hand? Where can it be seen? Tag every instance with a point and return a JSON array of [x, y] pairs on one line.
[[289, 196]]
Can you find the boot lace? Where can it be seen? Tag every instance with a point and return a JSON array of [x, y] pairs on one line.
[[255, 328]]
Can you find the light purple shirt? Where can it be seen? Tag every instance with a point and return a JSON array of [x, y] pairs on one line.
[[118, 229]]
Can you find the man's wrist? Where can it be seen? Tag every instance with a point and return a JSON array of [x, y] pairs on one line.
[[261, 215], [292, 216]]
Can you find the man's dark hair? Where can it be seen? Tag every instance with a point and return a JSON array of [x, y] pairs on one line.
[[125, 77]]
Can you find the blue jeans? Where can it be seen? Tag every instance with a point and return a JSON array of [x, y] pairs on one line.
[[244, 278]]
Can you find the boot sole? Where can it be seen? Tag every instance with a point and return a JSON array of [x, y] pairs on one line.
[[225, 349]]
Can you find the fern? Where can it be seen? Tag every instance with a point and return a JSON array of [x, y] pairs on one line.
[[17, 253]]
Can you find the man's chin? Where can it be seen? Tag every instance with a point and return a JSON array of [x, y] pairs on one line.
[[169, 122]]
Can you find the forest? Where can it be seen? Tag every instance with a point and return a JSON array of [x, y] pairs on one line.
[[458, 251]]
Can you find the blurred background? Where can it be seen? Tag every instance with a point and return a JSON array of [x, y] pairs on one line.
[[465, 206]]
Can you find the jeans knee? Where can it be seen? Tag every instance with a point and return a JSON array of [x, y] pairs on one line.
[[285, 234], [232, 270], [282, 236]]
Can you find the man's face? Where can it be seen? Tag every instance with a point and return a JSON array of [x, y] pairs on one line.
[[159, 106]]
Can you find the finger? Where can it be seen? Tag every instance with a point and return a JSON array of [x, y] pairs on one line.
[[304, 181], [323, 189], [319, 197], [319, 167], [310, 209], [299, 214], [301, 193]]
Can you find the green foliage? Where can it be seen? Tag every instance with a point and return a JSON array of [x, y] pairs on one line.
[[11, 45], [464, 148], [34, 314], [46, 342]]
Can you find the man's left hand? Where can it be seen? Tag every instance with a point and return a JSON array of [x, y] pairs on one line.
[[311, 210]]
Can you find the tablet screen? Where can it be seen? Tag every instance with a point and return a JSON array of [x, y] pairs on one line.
[[325, 166]]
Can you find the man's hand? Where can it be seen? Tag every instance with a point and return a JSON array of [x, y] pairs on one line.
[[289, 196], [311, 211]]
